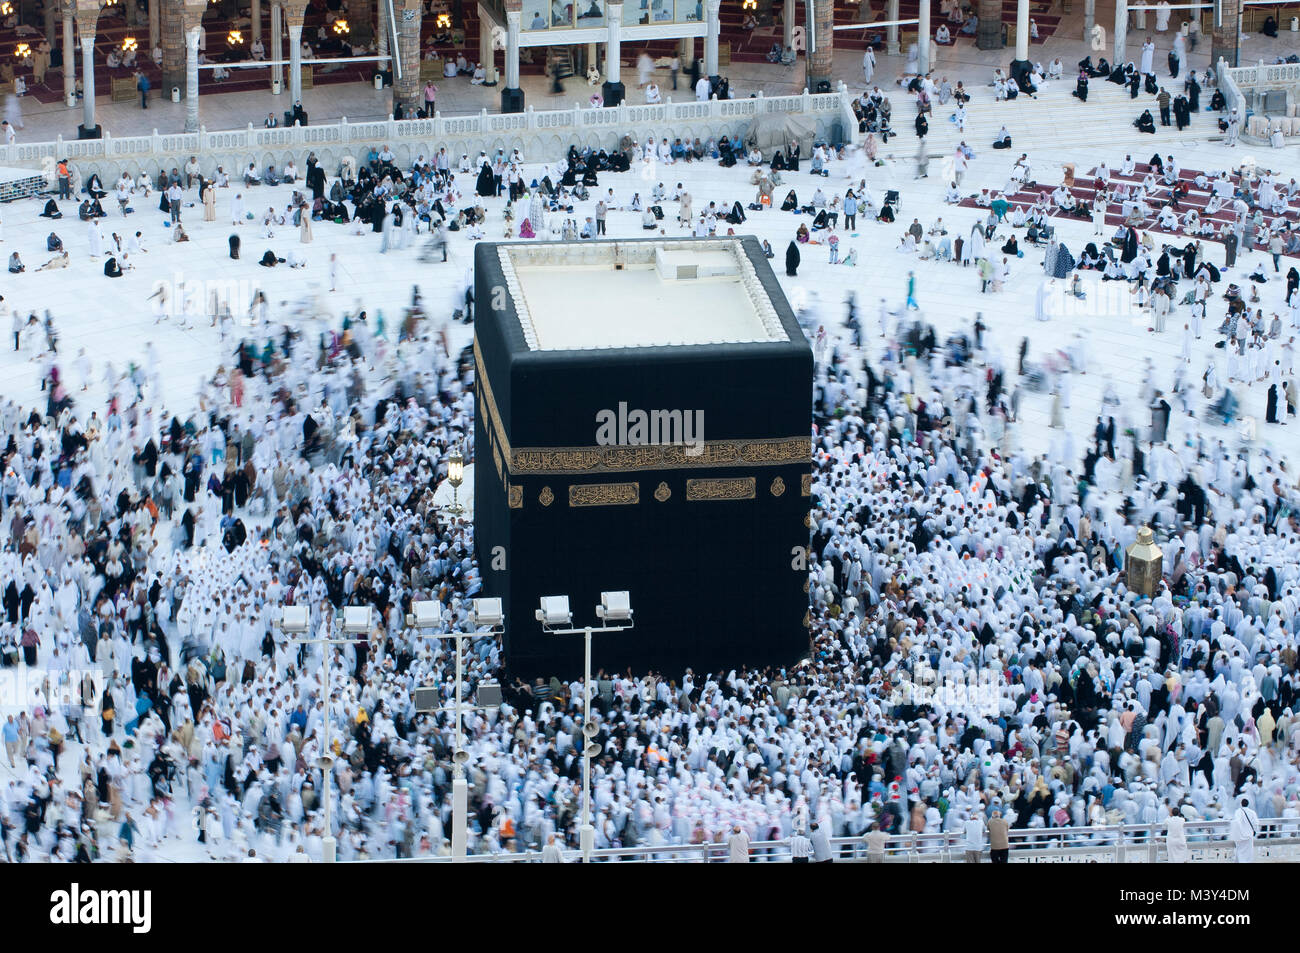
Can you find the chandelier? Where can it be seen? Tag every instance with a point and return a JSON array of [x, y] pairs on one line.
[[443, 22], [129, 45], [341, 27], [234, 38], [22, 51]]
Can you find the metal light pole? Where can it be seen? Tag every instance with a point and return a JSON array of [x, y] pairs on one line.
[[554, 611], [356, 620], [426, 615]]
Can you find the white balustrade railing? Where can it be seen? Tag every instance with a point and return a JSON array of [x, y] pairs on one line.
[[584, 126], [1278, 840], [1230, 80], [1260, 77], [1244, 87]]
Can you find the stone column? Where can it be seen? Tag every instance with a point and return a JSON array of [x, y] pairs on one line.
[[923, 35], [255, 27], [171, 21], [381, 28], [711, 8], [687, 54], [988, 32], [1022, 31], [406, 90], [361, 19], [87, 22], [294, 11], [822, 58], [1139, 14], [612, 90], [1118, 56], [512, 97], [193, 21], [192, 79], [51, 22], [69, 55], [1226, 41], [277, 44], [1089, 19], [485, 54], [155, 31], [891, 32], [787, 24]]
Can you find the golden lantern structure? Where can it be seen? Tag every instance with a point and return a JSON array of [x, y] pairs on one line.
[[341, 27], [1144, 564], [23, 52], [443, 22], [749, 5], [234, 38], [6, 8], [129, 45], [456, 476]]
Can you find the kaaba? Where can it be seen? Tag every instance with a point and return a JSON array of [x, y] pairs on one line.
[[642, 423]]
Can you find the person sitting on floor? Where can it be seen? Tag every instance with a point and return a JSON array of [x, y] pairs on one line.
[[112, 269], [1145, 122]]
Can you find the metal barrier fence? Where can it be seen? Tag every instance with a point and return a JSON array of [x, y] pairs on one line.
[[1278, 840]]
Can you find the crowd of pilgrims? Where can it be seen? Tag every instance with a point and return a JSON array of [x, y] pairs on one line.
[[146, 557]]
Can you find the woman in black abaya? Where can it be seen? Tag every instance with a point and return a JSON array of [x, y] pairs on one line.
[[792, 260], [487, 182], [1130, 246]]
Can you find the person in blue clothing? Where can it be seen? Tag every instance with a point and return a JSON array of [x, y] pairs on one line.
[[142, 84], [10, 733]]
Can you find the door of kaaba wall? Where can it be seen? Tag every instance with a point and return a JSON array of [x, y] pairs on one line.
[[708, 544]]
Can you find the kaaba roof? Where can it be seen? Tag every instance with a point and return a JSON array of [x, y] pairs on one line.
[[591, 295]]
